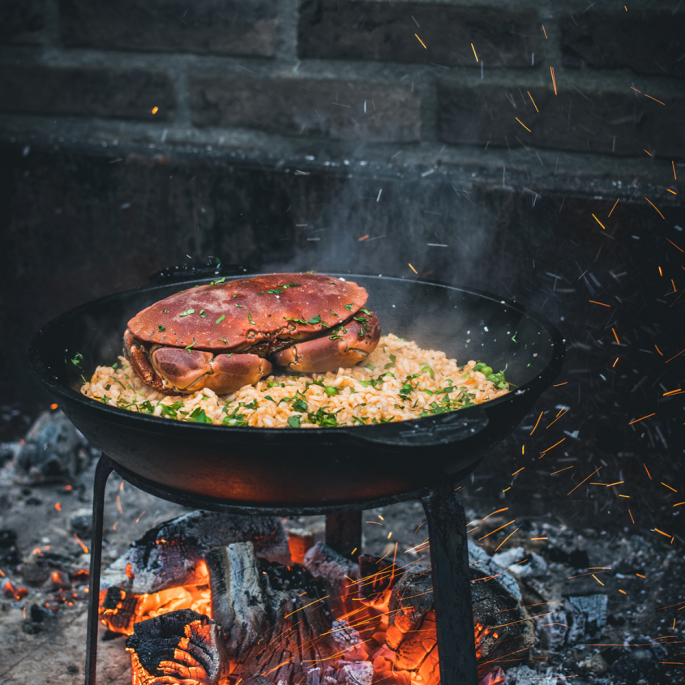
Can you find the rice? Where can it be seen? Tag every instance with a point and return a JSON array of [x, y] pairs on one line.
[[398, 381]]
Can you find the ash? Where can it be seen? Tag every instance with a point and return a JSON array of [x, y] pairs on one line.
[[604, 603]]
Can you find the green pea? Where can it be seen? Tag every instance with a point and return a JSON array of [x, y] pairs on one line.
[[486, 371], [492, 378], [479, 366], [331, 391]]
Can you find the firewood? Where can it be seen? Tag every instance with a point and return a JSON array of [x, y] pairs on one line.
[[179, 647]]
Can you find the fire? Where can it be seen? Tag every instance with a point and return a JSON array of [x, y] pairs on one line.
[[120, 611]]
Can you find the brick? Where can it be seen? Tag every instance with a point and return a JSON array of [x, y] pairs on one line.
[[227, 27], [648, 42], [21, 21], [340, 29], [605, 122], [308, 107], [87, 92]]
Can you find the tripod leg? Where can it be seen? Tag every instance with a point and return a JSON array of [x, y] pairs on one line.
[[451, 587], [344, 532], [102, 471]]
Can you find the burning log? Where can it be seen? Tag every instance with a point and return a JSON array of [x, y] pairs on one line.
[[165, 570], [338, 574], [278, 624], [178, 647], [500, 623]]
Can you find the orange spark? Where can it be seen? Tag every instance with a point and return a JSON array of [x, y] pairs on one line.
[[523, 449], [549, 448], [646, 469], [679, 504], [598, 221], [522, 124], [119, 504], [642, 419], [53, 406], [657, 349], [623, 592], [673, 392], [636, 90], [559, 415], [519, 471], [662, 533], [58, 506], [657, 209], [588, 478], [560, 470], [80, 542], [505, 539], [673, 165], [538, 421], [533, 101], [474, 51], [655, 100], [672, 243], [648, 152], [614, 207], [554, 81], [672, 358], [614, 364], [618, 342], [661, 273], [413, 269], [420, 41], [155, 110], [364, 237], [496, 529], [602, 303], [545, 32], [141, 516], [597, 579], [631, 516], [668, 486], [671, 191], [558, 384]]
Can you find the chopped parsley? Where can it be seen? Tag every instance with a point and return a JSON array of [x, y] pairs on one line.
[[161, 328], [187, 312], [392, 362], [294, 421], [315, 319], [171, 409], [322, 418], [78, 358], [198, 416], [203, 313], [348, 307], [249, 318], [146, 407], [219, 320], [300, 405]]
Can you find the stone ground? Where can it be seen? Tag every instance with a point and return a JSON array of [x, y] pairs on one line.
[[649, 572]]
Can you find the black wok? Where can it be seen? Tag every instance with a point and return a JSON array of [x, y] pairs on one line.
[[317, 466]]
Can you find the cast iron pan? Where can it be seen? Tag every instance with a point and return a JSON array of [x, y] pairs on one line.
[[312, 466]]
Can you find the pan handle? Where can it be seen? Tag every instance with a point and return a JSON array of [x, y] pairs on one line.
[[443, 429], [182, 272]]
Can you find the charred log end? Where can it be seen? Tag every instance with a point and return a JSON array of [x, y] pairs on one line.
[[181, 646], [118, 610]]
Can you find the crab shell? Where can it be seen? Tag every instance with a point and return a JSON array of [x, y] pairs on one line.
[[219, 336]]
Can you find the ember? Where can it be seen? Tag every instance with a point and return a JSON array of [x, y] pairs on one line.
[[236, 616]]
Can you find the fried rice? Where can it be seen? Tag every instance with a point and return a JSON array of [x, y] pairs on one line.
[[397, 382]]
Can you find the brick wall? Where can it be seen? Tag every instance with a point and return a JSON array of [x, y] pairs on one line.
[[533, 85]]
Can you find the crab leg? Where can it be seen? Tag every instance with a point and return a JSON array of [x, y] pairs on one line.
[[344, 346], [189, 371]]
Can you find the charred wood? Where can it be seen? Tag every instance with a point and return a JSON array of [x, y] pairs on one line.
[[181, 647]]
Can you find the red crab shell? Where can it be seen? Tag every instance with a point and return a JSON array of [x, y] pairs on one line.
[[242, 313]]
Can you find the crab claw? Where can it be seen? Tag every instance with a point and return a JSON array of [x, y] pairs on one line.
[[347, 345], [188, 371]]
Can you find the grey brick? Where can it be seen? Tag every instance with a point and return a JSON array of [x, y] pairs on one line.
[[340, 29], [593, 121], [21, 21], [228, 27], [87, 92], [308, 107]]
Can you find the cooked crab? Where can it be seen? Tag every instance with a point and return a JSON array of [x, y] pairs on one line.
[[221, 336]]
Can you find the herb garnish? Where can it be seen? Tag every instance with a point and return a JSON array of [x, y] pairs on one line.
[[161, 328], [186, 312], [203, 313], [249, 318], [315, 319], [219, 320], [294, 421], [198, 416]]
